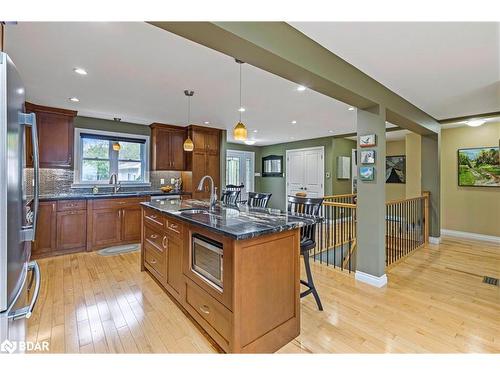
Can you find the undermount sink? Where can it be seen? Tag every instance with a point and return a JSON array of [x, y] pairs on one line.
[[193, 211]]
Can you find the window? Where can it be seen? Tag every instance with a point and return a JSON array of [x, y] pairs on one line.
[[96, 158]]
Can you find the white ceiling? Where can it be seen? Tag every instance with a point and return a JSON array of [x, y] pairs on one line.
[[448, 69], [138, 72]]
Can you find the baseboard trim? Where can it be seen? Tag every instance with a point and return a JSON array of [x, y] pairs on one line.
[[377, 281], [469, 235], [434, 240]]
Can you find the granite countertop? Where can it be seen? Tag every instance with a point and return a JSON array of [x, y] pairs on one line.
[[123, 194], [238, 222]]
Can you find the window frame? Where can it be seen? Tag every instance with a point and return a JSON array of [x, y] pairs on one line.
[[113, 157]]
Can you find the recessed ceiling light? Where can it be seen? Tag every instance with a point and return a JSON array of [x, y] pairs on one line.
[[350, 109], [330, 131], [207, 122], [255, 131], [292, 137], [74, 100], [301, 88], [475, 123], [249, 142], [241, 109], [80, 71], [294, 122]]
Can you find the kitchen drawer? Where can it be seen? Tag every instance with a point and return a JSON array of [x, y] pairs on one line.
[[155, 238], [155, 260], [174, 228], [209, 309], [117, 202], [71, 205], [155, 219]]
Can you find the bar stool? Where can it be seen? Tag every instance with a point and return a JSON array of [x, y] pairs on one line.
[[258, 199], [309, 206], [230, 197]]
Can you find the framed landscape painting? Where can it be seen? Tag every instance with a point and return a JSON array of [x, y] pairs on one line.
[[479, 167]]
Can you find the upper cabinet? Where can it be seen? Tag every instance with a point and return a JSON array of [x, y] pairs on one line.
[[167, 151], [55, 137], [205, 139], [204, 160]]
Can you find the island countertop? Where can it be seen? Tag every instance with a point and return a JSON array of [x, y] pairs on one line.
[[238, 222]]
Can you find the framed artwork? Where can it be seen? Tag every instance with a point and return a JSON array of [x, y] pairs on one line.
[[479, 166], [272, 166], [366, 173], [395, 169], [369, 140], [367, 157]]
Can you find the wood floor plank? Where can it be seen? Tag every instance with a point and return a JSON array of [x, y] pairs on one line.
[[435, 302]]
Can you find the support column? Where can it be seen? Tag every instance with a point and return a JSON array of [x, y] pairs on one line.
[[413, 148], [431, 182], [370, 258]]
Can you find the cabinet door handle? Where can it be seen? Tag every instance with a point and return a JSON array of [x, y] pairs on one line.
[[205, 309], [164, 241], [153, 236], [152, 261]]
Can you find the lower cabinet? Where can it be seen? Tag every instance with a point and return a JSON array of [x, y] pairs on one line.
[[68, 226], [162, 249], [106, 228], [71, 230], [46, 232], [115, 221]]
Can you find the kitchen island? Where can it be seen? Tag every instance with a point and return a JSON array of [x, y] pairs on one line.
[[234, 270]]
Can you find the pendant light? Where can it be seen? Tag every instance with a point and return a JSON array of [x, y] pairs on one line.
[[117, 146], [188, 143], [240, 130]]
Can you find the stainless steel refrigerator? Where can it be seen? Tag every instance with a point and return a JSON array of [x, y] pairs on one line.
[[19, 277]]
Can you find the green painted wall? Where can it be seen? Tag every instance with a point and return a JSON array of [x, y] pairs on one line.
[[341, 147], [111, 126]]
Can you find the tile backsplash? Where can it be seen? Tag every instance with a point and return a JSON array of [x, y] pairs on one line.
[[59, 181]]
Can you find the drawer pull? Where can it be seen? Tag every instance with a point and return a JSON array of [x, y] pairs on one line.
[[173, 226], [152, 261], [151, 217], [205, 309], [154, 236]]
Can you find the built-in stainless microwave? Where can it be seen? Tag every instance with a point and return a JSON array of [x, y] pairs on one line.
[[207, 259]]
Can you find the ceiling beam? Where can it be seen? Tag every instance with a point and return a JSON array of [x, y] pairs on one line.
[[281, 49], [454, 120]]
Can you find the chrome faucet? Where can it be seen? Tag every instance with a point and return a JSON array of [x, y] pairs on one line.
[[113, 180], [213, 190]]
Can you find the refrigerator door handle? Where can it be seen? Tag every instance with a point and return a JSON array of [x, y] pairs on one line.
[[29, 119], [25, 312]]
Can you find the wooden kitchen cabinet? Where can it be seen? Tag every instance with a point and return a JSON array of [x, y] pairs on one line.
[[55, 136], [106, 228], [167, 147], [204, 160], [114, 221], [131, 224], [45, 238], [71, 230]]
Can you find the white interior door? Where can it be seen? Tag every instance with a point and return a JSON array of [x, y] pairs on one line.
[[305, 172], [240, 169]]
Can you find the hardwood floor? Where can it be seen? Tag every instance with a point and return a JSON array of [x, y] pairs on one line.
[[435, 302]]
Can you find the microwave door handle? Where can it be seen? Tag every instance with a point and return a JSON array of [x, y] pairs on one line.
[[29, 120], [27, 311]]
